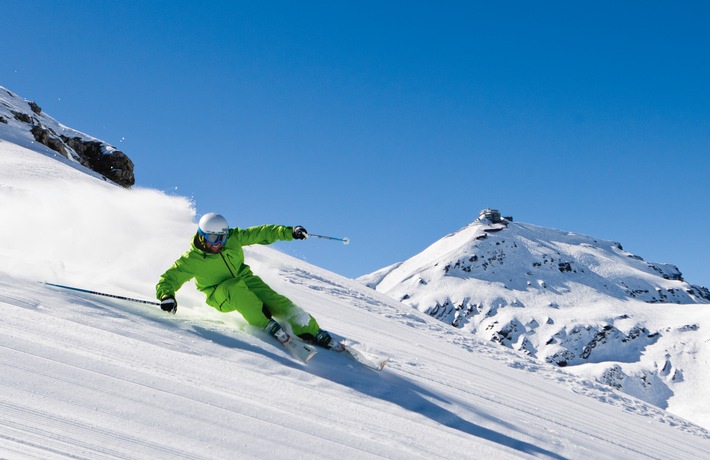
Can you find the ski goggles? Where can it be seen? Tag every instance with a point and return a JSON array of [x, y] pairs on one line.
[[213, 238]]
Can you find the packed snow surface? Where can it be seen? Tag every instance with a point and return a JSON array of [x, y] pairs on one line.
[[85, 376]]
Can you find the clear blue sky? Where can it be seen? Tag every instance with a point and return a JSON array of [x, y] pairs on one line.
[[393, 123]]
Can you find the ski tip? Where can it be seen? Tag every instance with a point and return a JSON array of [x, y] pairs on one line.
[[371, 360]]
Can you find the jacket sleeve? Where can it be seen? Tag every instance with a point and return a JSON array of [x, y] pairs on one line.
[[264, 234], [175, 276]]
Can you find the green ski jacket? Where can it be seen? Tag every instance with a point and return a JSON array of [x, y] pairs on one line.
[[210, 270]]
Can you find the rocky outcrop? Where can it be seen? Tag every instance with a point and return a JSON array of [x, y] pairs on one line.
[[115, 164], [91, 153], [599, 343]]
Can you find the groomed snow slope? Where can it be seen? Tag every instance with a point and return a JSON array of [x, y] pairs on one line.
[[90, 377]]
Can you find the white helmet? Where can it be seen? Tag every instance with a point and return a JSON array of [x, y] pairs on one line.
[[213, 228]]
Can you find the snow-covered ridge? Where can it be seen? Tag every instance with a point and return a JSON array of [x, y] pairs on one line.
[[568, 299], [526, 258], [24, 123]]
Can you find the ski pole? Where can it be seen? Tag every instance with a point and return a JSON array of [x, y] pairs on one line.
[[149, 302], [345, 240]]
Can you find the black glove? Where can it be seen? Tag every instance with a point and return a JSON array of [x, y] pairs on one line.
[[168, 304], [299, 233]]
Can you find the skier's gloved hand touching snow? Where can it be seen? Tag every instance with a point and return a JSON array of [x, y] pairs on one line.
[[168, 304], [299, 233]]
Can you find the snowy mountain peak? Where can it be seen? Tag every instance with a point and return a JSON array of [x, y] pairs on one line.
[[534, 263], [569, 299], [23, 122]]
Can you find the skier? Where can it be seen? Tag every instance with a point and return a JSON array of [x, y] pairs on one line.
[[216, 261]]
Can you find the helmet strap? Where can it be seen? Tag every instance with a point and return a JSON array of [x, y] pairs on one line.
[[199, 242]]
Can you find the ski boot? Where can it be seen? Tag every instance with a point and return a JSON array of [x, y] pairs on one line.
[[325, 340], [277, 331]]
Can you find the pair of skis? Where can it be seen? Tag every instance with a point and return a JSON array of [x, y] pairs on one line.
[[304, 352]]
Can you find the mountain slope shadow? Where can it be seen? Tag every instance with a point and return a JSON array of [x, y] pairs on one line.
[[381, 385]]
